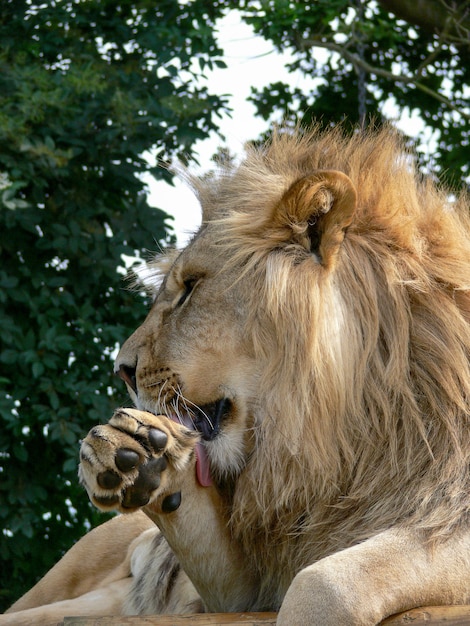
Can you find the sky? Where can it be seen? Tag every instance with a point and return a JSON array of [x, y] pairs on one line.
[[250, 61], [248, 58]]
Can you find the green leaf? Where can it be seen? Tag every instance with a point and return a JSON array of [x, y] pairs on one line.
[[20, 452], [8, 357], [38, 369]]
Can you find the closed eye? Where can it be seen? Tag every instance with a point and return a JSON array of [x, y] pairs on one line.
[[189, 285]]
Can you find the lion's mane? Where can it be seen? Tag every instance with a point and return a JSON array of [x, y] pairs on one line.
[[365, 394]]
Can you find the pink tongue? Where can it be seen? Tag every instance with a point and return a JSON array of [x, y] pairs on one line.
[[203, 471]]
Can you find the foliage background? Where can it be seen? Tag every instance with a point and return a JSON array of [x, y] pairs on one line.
[[86, 89]]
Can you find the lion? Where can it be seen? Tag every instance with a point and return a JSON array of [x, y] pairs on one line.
[[300, 441]]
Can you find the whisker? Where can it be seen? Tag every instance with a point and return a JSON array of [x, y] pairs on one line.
[[159, 399], [186, 402], [157, 382], [176, 408], [177, 404], [182, 400]]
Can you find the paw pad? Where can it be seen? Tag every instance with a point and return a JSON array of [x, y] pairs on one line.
[[108, 480], [147, 481], [126, 460], [158, 439], [171, 502]]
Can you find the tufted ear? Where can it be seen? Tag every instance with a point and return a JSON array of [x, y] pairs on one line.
[[319, 208]]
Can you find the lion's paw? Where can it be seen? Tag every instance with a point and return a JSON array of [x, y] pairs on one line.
[[129, 462]]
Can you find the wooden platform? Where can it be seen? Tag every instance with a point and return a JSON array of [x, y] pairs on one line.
[[426, 616]]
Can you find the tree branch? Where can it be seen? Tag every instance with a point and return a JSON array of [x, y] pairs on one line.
[[370, 69], [433, 15]]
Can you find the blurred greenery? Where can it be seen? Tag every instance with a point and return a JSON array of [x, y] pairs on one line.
[[86, 88]]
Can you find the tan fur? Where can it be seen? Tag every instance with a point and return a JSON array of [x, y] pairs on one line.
[[329, 301], [97, 575], [93, 576]]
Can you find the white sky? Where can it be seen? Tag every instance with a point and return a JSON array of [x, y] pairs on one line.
[[251, 61]]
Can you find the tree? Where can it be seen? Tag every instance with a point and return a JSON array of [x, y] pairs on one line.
[[411, 54], [86, 88]]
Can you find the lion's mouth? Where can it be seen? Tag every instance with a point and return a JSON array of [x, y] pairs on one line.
[[206, 420]]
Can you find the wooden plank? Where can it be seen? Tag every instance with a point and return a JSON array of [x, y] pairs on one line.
[[426, 616], [205, 619]]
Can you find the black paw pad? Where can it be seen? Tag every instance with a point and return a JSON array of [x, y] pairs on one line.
[[108, 480], [171, 502], [133, 498], [106, 500], [126, 460], [158, 439], [147, 481], [149, 474]]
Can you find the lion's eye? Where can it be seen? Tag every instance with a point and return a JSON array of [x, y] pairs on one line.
[[189, 285]]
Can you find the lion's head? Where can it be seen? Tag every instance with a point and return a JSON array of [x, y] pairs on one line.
[[316, 332]]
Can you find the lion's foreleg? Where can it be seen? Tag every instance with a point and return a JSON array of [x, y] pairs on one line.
[[392, 572], [199, 535], [106, 600], [140, 460], [100, 557]]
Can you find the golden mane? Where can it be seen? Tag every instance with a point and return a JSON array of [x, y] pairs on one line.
[[365, 394]]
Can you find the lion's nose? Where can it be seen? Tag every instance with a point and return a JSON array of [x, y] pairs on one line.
[[128, 376]]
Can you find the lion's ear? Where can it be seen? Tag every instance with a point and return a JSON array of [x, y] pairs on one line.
[[319, 208]]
